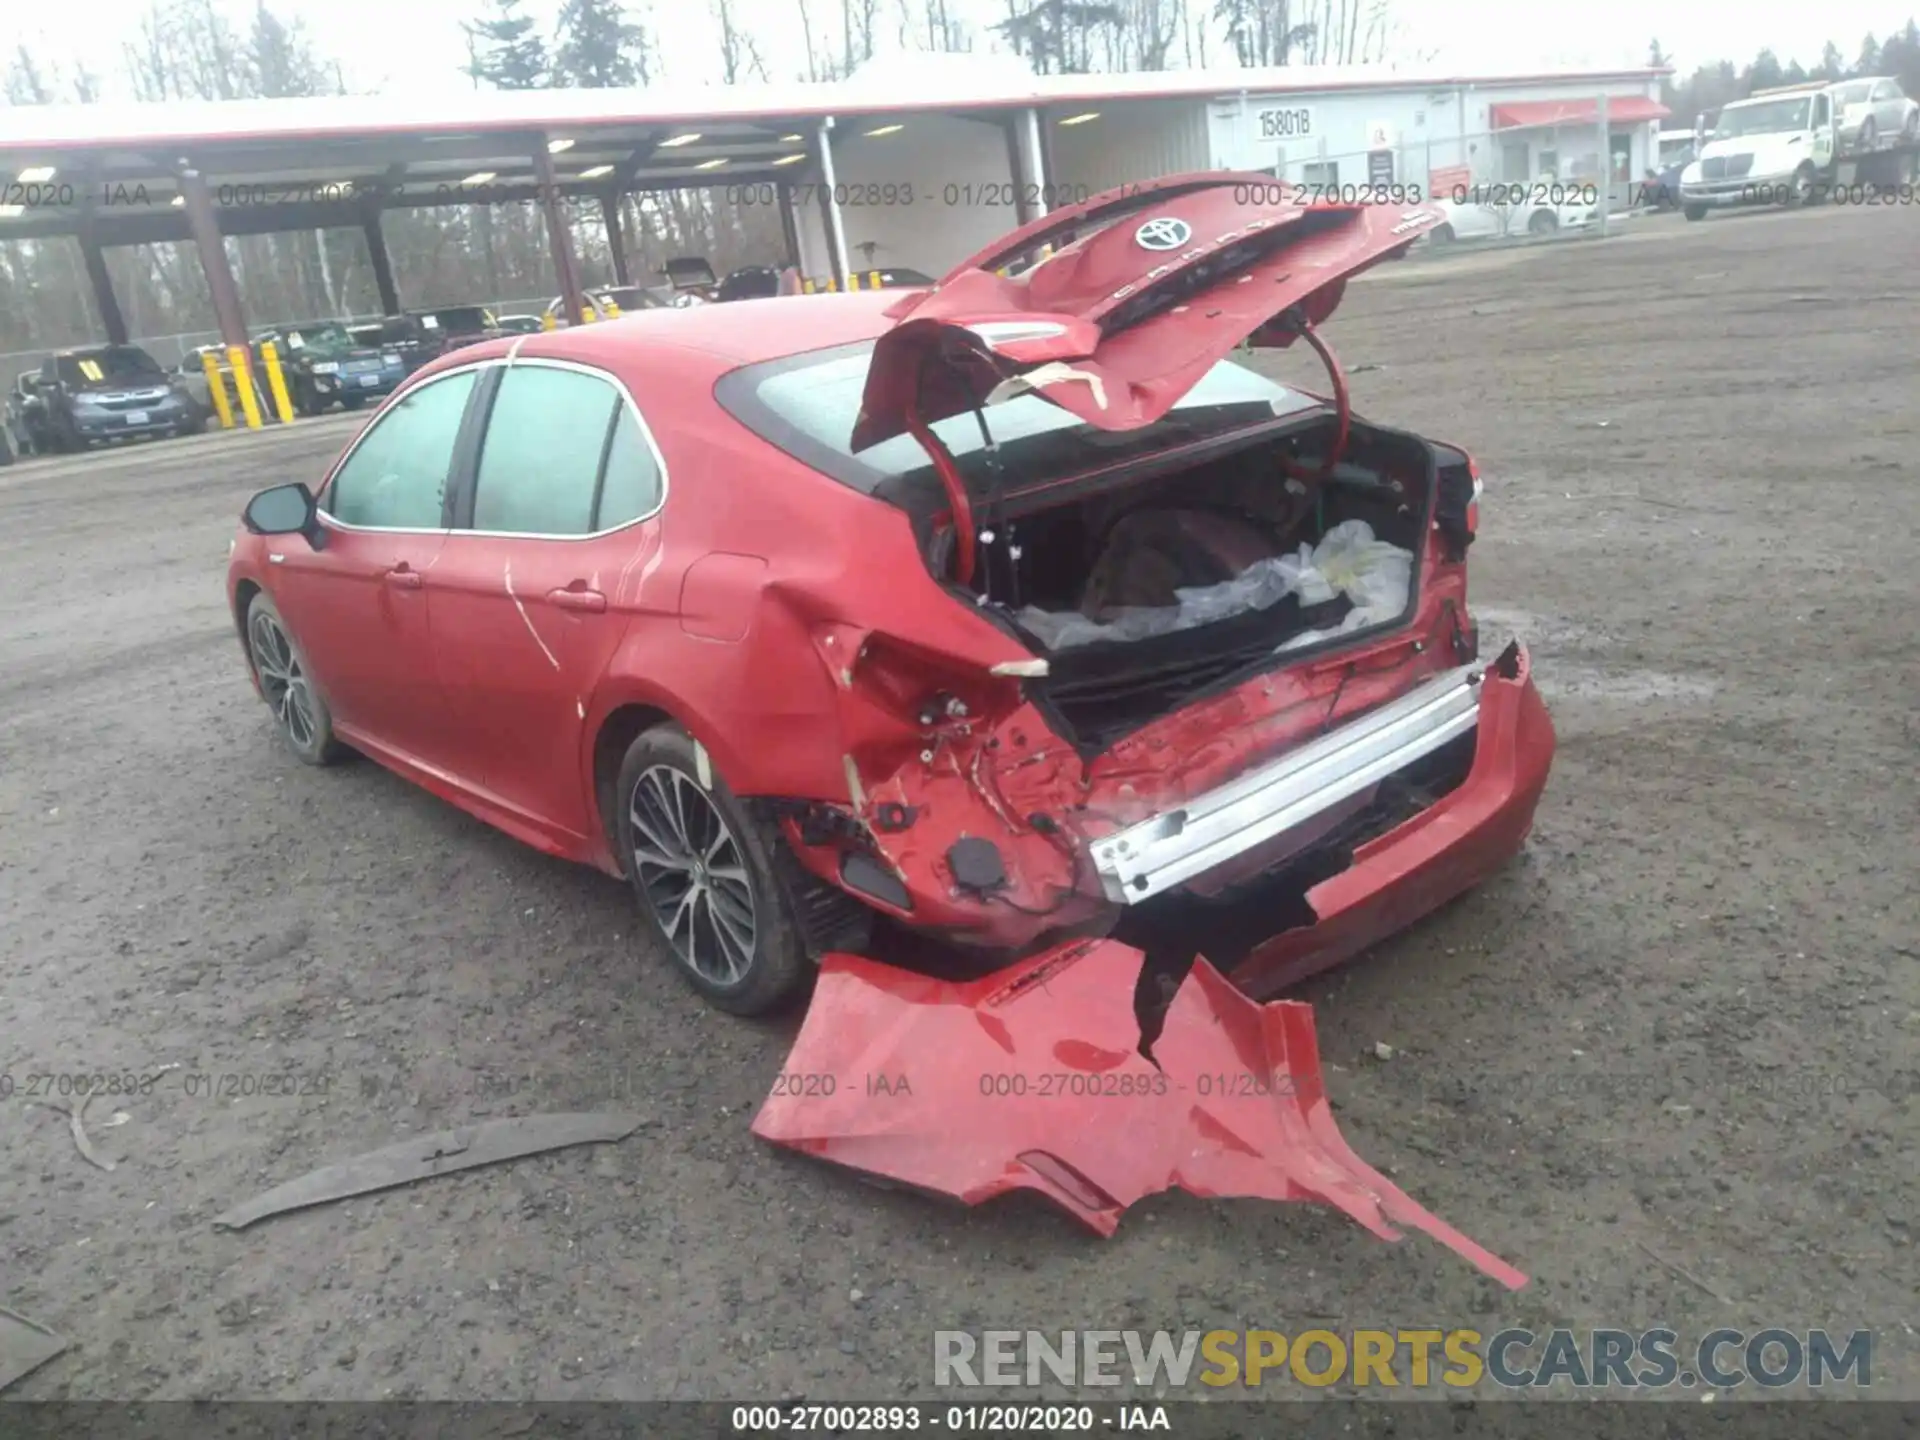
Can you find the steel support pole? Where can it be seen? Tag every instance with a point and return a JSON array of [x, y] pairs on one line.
[[616, 235], [1037, 168], [1606, 166], [1017, 170], [205, 226], [381, 262], [830, 206], [104, 300], [558, 237], [789, 226]]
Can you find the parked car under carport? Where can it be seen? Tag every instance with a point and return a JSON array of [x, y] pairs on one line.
[[101, 393]]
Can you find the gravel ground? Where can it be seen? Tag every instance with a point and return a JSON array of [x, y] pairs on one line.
[[1662, 1062]]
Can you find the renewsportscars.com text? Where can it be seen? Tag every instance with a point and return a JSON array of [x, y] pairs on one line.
[[1513, 1359]]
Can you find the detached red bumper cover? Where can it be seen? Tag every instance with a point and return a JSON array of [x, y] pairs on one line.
[[1032, 1079]]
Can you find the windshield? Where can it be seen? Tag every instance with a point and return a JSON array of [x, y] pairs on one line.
[[329, 338], [633, 298], [806, 404], [460, 319], [1853, 94], [113, 365], [1774, 117]]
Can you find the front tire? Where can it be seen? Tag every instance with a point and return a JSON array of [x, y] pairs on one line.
[[1694, 212], [286, 684], [704, 872], [1542, 222], [1800, 193], [1441, 236], [1869, 137]]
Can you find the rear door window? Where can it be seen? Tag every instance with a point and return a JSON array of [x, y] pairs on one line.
[[632, 485], [565, 454], [540, 463], [396, 477]]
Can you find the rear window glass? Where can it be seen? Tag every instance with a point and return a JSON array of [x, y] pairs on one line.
[[806, 405], [114, 364]]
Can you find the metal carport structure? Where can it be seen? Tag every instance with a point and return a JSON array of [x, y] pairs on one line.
[[109, 175], [121, 174]]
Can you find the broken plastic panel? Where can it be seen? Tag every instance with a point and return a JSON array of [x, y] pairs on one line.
[[1034, 1078]]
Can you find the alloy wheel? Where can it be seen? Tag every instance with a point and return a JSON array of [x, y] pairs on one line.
[[284, 681], [694, 874]]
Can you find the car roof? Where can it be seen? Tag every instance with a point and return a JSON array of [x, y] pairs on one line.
[[740, 332], [78, 350]]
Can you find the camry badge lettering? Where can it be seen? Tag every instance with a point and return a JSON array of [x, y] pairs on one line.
[[1164, 233]]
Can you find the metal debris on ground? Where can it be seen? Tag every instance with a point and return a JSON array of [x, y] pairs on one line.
[[466, 1148], [25, 1345]]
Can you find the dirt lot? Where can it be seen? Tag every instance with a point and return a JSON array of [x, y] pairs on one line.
[[1683, 1026]]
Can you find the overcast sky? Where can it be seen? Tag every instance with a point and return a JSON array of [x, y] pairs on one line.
[[382, 43]]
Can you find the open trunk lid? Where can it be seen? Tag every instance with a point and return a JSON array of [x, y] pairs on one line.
[[1136, 294]]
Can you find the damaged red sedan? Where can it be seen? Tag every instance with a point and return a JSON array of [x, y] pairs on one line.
[[970, 621]]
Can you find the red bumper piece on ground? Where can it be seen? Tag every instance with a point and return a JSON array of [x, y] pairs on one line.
[[1032, 1079]]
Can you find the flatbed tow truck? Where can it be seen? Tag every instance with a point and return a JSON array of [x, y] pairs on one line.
[[1785, 148]]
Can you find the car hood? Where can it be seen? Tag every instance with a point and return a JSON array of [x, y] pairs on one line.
[[1763, 148], [1117, 325]]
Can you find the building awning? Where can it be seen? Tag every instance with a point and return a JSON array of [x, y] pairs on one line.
[[1530, 114]]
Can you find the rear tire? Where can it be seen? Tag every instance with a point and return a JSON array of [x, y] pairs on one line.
[[706, 877], [1441, 235], [1694, 212], [1542, 222], [1869, 137], [300, 714]]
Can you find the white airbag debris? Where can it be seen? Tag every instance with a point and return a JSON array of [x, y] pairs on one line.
[[1374, 575], [1056, 373]]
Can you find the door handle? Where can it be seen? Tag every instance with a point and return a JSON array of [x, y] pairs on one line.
[[404, 577], [582, 599]]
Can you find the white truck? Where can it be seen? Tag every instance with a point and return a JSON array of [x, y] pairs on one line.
[[1798, 144]]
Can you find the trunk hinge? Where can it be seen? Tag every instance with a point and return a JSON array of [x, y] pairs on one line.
[[951, 481], [967, 532], [1295, 319]]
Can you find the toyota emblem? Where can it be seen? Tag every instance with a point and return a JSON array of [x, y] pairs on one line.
[[1165, 233]]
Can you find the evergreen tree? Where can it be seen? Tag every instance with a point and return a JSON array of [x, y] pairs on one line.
[[597, 46], [507, 50]]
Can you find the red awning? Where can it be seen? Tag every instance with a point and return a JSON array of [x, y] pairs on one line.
[[1621, 110]]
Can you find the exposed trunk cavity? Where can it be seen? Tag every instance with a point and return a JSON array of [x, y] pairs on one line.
[[1150, 589]]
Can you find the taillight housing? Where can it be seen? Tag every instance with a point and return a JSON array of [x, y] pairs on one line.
[[901, 702]]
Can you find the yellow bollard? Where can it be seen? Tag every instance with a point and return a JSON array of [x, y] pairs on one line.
[[873, 279], [217, 388], [806, 286], [549, 322], [276, 382], [243, 384]]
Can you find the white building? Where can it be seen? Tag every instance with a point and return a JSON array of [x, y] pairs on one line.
[[924, 189]]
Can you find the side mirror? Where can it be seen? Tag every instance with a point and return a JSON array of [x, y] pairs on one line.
[[285, 510]]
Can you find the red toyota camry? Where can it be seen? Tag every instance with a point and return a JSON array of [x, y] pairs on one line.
[[995, 612]]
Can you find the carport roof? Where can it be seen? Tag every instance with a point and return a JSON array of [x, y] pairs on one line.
[[296, 163]]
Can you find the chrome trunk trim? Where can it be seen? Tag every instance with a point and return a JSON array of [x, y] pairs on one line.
[[1162, 852]]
